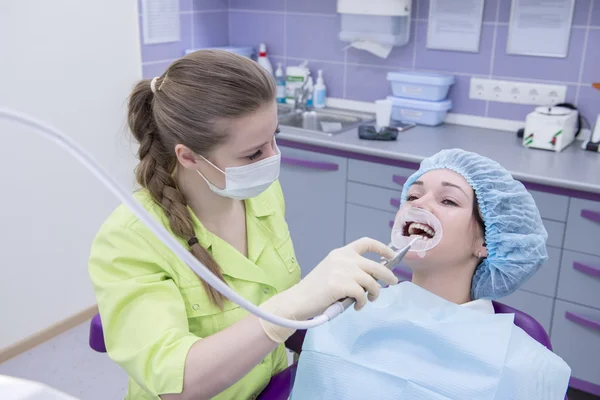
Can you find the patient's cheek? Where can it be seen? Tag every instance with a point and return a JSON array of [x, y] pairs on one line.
[[398, 213]]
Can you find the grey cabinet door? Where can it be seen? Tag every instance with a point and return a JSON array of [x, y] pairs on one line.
[[576, 338], [363, 221], [583, 227], [579, 280], [314, 186]]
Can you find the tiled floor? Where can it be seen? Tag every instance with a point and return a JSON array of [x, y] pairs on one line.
[[69, 365]]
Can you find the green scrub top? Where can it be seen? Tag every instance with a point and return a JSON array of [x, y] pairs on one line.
[[154, 308]]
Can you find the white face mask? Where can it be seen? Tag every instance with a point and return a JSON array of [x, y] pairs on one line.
[[247, 181]]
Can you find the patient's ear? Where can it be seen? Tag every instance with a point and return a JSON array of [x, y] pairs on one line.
[[480, 251]]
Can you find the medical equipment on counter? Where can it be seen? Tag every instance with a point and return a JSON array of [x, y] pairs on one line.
[[370, 132], [388, 133], [594, 143], [412, 344], [384, 128], [551, 128], [110, 182]]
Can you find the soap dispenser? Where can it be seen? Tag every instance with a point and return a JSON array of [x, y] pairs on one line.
[[320, 92], [280, 82]]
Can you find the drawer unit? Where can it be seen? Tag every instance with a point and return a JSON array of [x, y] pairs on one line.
[[386, 176], [551, 206], [546, 278], [576, 339], [538, 306], [373, 197], [556, 232], [314, 187], [579, 280], [583, 227]]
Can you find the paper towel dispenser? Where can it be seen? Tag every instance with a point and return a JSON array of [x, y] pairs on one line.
[[375, 23]]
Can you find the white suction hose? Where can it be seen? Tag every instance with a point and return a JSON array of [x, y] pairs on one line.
[[127, 198]]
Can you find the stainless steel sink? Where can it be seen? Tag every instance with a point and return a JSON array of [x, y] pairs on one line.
[[326, 121], [283, 109]]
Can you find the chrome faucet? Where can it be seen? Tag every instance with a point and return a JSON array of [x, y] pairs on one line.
[[301, 96]]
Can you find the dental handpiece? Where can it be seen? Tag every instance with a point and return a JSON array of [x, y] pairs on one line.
[[339, 307]]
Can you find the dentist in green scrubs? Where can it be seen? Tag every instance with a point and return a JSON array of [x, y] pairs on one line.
[[208, 170]]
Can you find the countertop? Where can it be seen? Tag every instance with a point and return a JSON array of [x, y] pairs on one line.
[[573, 168]]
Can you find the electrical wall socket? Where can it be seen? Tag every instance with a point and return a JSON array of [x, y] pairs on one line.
[[539, 94]]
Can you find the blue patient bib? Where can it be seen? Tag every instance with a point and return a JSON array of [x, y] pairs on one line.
[[412, 344]]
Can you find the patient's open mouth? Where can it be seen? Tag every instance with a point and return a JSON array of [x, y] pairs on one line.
[[412, 228]]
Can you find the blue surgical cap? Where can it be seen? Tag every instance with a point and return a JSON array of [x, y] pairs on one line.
[[515, 236]]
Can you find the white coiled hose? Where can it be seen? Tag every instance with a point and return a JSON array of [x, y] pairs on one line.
[[127, 198]]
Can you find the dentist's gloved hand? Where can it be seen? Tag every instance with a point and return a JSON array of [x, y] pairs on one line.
[[343, 273]]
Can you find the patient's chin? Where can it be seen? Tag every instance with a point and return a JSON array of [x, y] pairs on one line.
[[424, 260]]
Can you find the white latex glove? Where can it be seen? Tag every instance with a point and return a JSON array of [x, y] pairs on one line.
[[343, 273]]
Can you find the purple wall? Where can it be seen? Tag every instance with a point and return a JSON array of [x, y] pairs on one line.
[[295, 30], [203, 23]]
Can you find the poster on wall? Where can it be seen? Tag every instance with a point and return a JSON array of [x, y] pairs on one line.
[[540, 27], [455, 25], [160, 21]]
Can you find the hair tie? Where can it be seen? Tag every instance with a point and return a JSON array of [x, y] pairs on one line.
[[193, 241], [153, 84]]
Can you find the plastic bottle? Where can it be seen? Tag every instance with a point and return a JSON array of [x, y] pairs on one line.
[[263, 60], [310, 86], [280, 82], [320, 92]]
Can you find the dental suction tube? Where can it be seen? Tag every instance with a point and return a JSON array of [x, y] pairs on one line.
[[127, 198]]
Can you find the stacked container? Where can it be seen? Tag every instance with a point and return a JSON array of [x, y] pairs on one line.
[[247, 51], [420, 97]]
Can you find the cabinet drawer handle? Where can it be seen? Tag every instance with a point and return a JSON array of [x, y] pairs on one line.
[[400, 180], [583, 321], [322, 165], [402, 273], [395, 202], [586, 269], [391, 224], [591, 215]]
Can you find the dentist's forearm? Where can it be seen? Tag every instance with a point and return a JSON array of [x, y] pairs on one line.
[[218, 361]]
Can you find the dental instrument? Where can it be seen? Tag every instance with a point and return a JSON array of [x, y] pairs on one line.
[[339, 307], [85, 158]]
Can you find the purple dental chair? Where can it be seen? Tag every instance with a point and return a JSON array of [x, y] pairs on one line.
[[280, 386]]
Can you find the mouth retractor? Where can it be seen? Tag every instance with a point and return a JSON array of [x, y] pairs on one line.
[[417, 222]]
